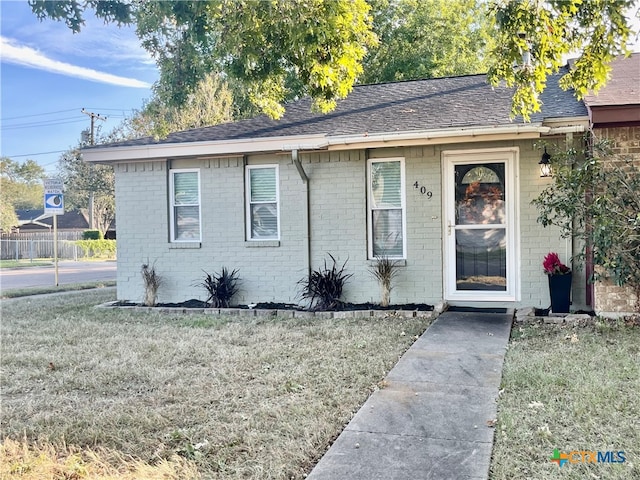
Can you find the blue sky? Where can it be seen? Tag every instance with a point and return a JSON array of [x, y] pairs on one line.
[[48, 75]]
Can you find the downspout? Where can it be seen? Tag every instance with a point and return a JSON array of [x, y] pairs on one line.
[[569, 242], [590, 299], [305, 180]]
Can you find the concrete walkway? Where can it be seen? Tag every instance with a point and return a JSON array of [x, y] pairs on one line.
[[431, 419]]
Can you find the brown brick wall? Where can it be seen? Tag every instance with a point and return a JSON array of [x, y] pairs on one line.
[[609, 297]]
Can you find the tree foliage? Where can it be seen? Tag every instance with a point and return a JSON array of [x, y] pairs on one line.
[[596, 200], [258, 43], [21, 188], [281, 49], [8, 217], [535, 38], [210, 104], [428, 38]]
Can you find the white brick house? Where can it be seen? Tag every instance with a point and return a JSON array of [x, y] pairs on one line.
[[433, 173]]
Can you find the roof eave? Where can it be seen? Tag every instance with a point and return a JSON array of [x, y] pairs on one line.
[[458, 135], [331, 142], [208, 149]]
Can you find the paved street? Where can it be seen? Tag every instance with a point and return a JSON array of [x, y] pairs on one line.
[[68, 272]]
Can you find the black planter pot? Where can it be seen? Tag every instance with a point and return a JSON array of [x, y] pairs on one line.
[[560, 292]]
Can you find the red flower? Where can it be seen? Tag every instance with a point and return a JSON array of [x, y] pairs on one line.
[[553, 266]]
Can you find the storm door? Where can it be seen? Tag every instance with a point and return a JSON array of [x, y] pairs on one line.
[[480, 230]]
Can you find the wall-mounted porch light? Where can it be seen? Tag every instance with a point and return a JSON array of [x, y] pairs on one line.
[[545, 164]]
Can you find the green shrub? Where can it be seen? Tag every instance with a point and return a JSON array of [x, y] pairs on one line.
[[97, 248], [221, 287], [323, 288], [92, 235]]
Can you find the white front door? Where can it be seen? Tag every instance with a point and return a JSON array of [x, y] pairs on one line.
[[480, 231]]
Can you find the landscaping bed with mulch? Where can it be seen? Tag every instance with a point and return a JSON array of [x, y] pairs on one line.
[[343, 307]]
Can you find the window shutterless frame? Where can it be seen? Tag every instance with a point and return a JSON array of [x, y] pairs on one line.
[[185, 212], [386, 208], [262, 217]]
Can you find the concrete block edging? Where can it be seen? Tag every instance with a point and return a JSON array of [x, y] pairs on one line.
[[248, 312]]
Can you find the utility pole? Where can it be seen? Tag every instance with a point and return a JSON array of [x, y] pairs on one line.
[[93, 117]]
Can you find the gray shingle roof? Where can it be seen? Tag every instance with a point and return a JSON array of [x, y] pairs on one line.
[[466, 101], [69, 220]]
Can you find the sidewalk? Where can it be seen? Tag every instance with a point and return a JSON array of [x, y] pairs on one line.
[[430, 420]]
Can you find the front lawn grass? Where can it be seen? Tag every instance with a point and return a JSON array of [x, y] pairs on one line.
[[69, 287], [250, 398], [571, 388]]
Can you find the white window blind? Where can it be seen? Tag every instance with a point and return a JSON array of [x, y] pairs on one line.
[[185, 205], [262, 208], [386, 206]]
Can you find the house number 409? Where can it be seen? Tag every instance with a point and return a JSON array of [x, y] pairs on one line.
[[423, 190]]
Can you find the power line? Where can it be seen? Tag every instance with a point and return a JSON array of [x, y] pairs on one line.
[[34, 154], [65, 111], [51, 123], [113, 109], [39, 114]]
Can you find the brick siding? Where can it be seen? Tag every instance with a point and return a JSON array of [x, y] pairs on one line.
[[610, 298]]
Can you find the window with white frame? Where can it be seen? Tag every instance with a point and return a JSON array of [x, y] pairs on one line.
[[184, 186], [386, 222], [263, 218]]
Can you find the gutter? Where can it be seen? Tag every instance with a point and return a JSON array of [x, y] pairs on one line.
[[207, 149], [527, 131], [567, 129], [222, 148], [433, 134]]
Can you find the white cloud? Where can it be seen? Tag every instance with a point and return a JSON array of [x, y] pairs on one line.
[[12, 52]]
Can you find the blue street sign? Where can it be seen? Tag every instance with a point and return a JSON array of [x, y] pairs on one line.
[[54, 203]]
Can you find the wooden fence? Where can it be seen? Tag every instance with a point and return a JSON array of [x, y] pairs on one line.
[[18, 246]]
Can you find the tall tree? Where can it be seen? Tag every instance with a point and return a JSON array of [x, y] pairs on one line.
[[535, 37], [428, 38], [8, 217], [21, 183], [259, 43], [20, 188], [210, 103]]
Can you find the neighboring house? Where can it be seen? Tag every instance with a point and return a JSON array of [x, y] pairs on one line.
[[33, 221], [615, 115], [433, 173]]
